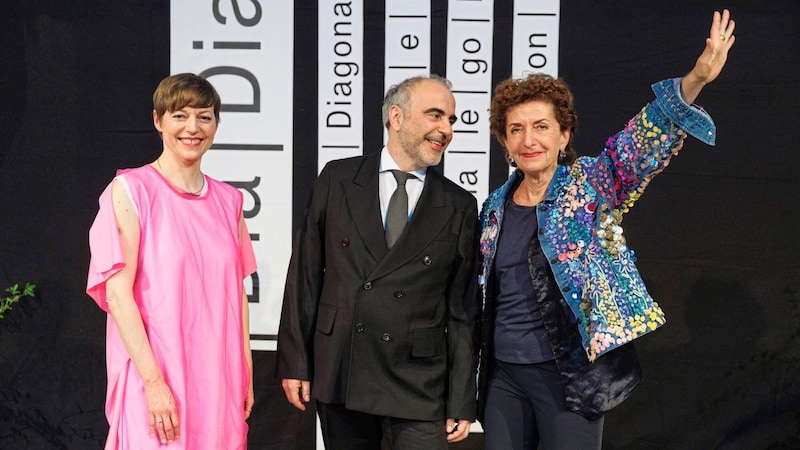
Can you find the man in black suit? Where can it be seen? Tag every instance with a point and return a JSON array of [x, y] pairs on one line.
[[382, 329]]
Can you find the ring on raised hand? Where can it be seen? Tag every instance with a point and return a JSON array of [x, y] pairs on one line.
[[158, 421], [722, 36]]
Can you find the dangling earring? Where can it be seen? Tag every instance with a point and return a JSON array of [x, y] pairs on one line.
[[562, 155], [510, 160]]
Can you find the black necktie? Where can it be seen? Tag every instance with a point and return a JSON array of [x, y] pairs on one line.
[[397, 213]]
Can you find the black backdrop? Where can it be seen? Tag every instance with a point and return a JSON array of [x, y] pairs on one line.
[[716, 235]]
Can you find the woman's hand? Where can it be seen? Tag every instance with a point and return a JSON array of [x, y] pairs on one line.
[[712, 60], [248, 402], [163, 411]]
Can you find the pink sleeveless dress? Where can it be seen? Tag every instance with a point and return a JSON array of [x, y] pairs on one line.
[[189, 291]]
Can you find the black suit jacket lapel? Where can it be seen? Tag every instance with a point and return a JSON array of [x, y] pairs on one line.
[[363, 201], [430, 215]]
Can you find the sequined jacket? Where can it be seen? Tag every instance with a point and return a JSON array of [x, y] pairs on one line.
[[605, 303]]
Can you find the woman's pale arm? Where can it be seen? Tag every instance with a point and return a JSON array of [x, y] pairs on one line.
[[163, 413], [248, 355], [713, 58]]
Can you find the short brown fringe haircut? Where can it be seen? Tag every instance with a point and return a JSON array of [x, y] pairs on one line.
[[185, 89]]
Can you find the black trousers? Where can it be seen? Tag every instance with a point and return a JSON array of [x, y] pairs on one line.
[[525, 408], [344, 429]]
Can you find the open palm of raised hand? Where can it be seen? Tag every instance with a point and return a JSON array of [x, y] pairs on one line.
[[721, 38]]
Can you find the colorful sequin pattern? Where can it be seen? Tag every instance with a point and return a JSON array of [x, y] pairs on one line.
[[582, 236]]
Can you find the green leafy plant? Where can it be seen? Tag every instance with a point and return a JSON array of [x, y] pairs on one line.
[[15, 296]]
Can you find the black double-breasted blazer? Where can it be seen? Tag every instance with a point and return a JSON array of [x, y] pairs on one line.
[[385, 332]]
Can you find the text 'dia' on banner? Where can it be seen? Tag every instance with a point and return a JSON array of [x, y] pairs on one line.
[[246, 51]]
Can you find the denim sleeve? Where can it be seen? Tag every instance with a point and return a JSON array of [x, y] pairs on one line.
[[691, 118]]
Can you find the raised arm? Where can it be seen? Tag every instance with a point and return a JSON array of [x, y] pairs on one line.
[[712, 60]]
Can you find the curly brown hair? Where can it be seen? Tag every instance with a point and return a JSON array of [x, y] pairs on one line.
[[537, 86]]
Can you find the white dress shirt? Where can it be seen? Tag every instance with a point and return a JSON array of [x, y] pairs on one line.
[[388, 184]]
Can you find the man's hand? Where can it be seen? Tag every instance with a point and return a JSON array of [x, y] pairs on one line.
[[298, 392], [457, 430]]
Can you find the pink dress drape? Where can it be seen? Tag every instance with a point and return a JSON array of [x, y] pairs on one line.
[[189, 291]]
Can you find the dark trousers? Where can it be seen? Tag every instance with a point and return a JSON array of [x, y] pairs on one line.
[[525, 408], [344, 429]]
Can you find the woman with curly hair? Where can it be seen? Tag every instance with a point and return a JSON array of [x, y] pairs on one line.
[[562, 298]]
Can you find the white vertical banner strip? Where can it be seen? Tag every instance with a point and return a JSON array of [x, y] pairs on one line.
[[469, 67], [340, 80], [407, 41], [246, 52], [535, 38]]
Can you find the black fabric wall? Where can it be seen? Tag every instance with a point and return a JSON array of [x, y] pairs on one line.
[[716, 235]]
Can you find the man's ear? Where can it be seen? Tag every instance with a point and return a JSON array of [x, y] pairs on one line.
[[395, 117]]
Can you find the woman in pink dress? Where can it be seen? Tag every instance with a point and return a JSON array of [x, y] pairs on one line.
[[170, 252]]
